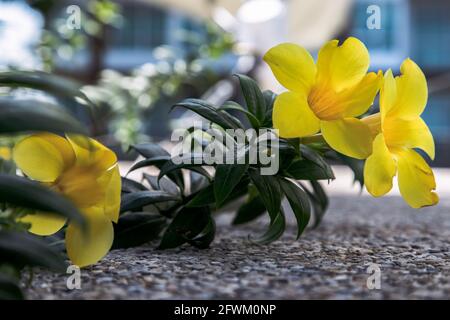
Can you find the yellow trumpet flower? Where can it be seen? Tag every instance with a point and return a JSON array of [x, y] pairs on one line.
[[398, 128], [327, 96], [87, 173]]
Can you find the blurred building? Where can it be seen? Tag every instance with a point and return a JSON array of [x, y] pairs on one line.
[[409, 28]]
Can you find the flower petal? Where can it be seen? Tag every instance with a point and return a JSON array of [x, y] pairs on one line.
[[80, 184], [90, 152], [349, 136], [44, 223], [292, 65], [38, 158], [88, 248], [358, 99], [388, 94], [293, 117], [113, 192], [343, 66], [379, 169], [412, 91], [409, 133], [416, 179]]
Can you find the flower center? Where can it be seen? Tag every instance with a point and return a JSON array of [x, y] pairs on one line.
[[324, 103]]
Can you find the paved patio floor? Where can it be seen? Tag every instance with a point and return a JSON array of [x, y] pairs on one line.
[[411, 248]]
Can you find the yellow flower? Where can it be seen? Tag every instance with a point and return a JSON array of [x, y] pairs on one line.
[[326, 97], [87, 173], [5, 153], [398, 128]]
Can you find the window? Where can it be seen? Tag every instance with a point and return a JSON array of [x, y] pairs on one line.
[[430, 44], [390, 44]]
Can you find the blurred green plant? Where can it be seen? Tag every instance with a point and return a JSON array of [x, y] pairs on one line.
[[18, 250], [59, 40], [128, 102]]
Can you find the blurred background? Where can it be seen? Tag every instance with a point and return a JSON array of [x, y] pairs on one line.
[[136, 58]]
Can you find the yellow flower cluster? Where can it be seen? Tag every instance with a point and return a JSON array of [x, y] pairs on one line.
[[329, 97]]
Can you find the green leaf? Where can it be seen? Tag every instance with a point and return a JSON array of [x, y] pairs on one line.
[[253, 97], [210, 113], [269, 191], [137, 200], [160, 162], [299, 202], [319, 201], [226, 179], [205, 197], [38, 80], [137, 228], [249, 211], [9, 288], [198, 181], [21, 249], [25, 193], [31, 115], [275, 230], [356, 165], [187, 225], [165, 184], [269, 98], [157, 161], [205, 237], [231, 105], [129, 186], [150, 150], [310, 167], [170, 167]]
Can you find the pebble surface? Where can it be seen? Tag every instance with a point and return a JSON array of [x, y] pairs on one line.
[[411, 248]]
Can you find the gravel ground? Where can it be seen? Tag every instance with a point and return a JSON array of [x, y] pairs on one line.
[[411, 248]]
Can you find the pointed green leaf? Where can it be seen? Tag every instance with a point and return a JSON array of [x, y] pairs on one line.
[[31, 115], [137, 228], [21, 249], [275, 230], [129, 186], [25, 193], [311, 166], [249, 211], [150, 150], [253, 97], [210, 113], [137, 200], [205, 237], [226, 178], [56, 85], [187, 225], [269, 191], [299, 202], [231, 105]]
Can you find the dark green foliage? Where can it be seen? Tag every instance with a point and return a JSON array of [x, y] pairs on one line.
[[209, 187]]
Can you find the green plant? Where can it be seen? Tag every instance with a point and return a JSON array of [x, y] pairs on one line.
[[180, 208], [129, 103]]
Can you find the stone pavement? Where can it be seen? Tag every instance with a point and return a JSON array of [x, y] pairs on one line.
[[411, 248]]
